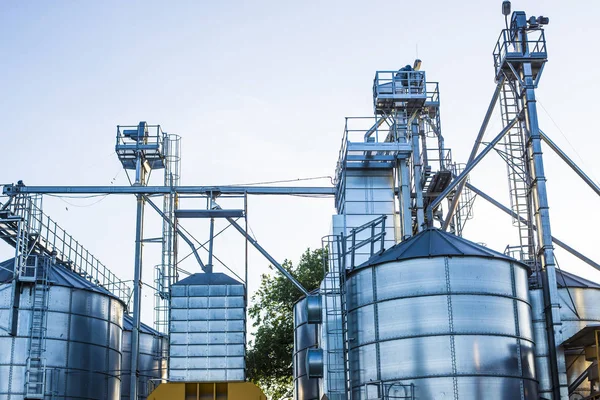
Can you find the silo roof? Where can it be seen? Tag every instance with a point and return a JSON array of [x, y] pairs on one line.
[[433, 242], [58, 275], [567, 279], [212, 278], [128, 326]]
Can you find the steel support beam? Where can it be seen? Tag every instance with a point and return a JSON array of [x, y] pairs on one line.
[[262, 251], [478, 140], [467, 170], [150, 190], [570, 163], [507, 210], [137, 298], [184, 237]]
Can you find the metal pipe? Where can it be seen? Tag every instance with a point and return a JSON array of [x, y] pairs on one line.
[[226, 189], [542, 214], [179, 232], [137, 298], [580, 379], [417, 175], [468, 168], [404, 176], [262, 251], [209, 266], [570, 163], [507, 210], [482, 129]]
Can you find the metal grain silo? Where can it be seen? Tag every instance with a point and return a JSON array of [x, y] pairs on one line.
[[82, 342], [439, 317], [579, 308], [305, 338], [208, 329], [152, 362]]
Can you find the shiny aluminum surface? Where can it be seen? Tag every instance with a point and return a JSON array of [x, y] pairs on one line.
[[208, 329], [152, 362], [454, 327], [83, 345], [579, 306], [305, 337]]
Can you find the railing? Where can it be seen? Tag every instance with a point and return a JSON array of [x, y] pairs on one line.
[[376, 228], [393, 83], [69, 252], [507, 44], [140, 134], [364, 130], [149, 140]]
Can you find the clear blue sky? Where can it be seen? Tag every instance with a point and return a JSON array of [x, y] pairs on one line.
[[258, 91]]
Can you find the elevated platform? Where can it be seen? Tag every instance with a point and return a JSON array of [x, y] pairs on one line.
[[149, 140], [510, 52]]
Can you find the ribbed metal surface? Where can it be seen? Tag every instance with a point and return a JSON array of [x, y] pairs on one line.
[[152, 364], [83, 345], [305, 337], [208, 325], [455, 327], [580, 306]]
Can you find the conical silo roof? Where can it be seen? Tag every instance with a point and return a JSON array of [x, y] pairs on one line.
[[58, 275], [210, 278], [433, 242]]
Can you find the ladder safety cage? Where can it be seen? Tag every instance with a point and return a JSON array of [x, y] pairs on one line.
[[35, 378]]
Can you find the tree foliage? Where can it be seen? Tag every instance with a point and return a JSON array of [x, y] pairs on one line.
[[269, 359]]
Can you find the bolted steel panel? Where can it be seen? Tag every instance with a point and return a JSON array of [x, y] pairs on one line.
[[83, 332], [443, 324], [208, 320]]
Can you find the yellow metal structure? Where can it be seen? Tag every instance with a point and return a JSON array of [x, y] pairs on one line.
[[207, 391]]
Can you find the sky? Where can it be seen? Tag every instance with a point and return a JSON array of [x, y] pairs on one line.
[[258, 91]]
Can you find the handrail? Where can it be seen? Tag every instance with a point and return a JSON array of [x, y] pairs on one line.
[[69, 252]]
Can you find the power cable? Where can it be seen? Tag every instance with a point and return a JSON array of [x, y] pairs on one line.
[[567, 139]]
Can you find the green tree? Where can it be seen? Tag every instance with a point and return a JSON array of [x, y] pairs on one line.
[[269, 358]]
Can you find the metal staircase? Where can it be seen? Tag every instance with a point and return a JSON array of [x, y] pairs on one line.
[[35, 379], [518, 172], [24, 226]]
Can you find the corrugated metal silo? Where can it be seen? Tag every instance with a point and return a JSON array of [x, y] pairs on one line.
[[82, 338], [439, 317], [152, 361], [579, 307]]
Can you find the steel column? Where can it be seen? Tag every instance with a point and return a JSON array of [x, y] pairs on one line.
[[478, 140], [540, 200], [417, 175], [178, 232], [209, 266], [137, 297]]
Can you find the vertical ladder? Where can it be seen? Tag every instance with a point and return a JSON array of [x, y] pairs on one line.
[[35, 382], [335, 326], [518, 171]]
